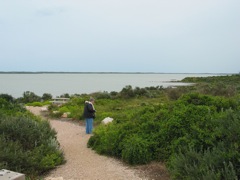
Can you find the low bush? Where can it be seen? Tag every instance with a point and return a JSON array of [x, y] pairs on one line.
[[35, 104], [217, 160], [39, 104], [204, 164], [106, 140], [27, 143], [136, 150], [157, 132]]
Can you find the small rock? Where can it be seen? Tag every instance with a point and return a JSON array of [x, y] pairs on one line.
[[107, 120]]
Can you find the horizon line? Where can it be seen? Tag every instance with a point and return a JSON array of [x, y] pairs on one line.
[[102, 72]]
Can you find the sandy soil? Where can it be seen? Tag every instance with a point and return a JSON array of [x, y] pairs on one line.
[[82, 163]]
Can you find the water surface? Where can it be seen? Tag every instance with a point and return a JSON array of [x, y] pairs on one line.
[[58, 84]]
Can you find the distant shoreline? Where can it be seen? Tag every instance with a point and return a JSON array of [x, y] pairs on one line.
[[58, 83], [62, 72]]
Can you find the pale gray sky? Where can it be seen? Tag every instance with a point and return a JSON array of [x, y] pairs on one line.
[[171, 36]]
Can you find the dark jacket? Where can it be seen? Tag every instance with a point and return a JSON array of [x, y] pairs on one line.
[[89, 111]]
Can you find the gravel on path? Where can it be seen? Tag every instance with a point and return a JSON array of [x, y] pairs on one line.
[[82, 163]]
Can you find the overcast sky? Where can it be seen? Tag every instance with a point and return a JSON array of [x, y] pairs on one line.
[[169, 36]]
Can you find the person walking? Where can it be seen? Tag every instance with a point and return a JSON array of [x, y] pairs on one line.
[[89, 115]]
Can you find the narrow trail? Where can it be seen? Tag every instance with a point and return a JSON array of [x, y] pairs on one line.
[[82, 163]]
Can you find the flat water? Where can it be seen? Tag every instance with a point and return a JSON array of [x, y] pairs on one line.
[[79, 83]]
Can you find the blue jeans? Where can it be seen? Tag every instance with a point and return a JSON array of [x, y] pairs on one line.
[[89, 125]]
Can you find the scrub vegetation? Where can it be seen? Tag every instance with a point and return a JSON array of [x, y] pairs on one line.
[[194, 130], [27, 143]]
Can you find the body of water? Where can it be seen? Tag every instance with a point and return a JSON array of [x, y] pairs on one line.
[[77, 83]]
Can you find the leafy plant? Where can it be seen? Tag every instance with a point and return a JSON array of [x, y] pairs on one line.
[[136, 150], [27, 143], [203, 164]]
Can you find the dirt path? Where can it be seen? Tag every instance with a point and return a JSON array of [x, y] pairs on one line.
[[82, 162]]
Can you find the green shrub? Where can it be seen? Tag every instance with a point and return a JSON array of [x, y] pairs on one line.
[[127, 92], [136, 150], [204, 164], [175, 93], [35, 104], [39, 104], [220, 160], [27, 143], [29, 97], [46, 97], [64, 109], [10, 107], [227, 86], [7, 97], [157, 132], [106, 140]]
